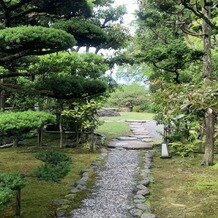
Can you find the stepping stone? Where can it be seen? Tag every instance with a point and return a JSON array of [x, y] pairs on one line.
[[142, 136], [141, 133], [136, 121], [124, 138], [136, 136], [147, 140], [138, 130], [135, 124], [134, 145]]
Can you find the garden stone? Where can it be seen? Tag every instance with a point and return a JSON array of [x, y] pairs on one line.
[[139, 201], [143, 207], [59, 202], [146, 140], [143, 192], [139, 197], [74, 190], [126, 138], [141, 187], [145, 182], [148, 216], [80, 187], [60, 214], [136, 212], [81, 182]]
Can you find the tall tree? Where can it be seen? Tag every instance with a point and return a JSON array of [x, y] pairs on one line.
[[178, 19]]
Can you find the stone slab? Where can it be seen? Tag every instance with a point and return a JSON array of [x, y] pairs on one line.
[[147, 140], [126, 138], [136, 121], [140, 132], [142, 136], [134, 145]]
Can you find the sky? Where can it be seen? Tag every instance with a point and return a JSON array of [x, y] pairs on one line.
[[131, 6]]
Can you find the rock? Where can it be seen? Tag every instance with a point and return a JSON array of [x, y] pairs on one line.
[[139, 201], [139, 197], [84, 171], [136, 212], [141, 187], [74, 190], [143, 207], [59, 202], [143, 192], [60, 214], [147, 140], [148, 215], [80, 182], [80, 187], [127, 138], [108, 112], [145, 182]]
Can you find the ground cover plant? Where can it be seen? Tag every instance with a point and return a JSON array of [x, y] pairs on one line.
[[183, 188], [38, 195], [56, 166]]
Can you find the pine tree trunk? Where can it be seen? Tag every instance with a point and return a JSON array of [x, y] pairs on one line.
[[61, 131], [15, 142], [92, 143], [209, 146], [2, 98], [40, 133], [18, 203], [207, 69]]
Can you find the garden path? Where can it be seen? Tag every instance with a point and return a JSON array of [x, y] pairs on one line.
[[120, 190]]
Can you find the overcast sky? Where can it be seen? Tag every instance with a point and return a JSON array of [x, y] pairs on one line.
[[131, 6]]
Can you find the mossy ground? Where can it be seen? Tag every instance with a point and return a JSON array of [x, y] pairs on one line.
[[38, 196], [184, 188]]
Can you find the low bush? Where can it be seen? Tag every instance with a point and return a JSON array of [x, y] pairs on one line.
[[53, 172], [56, 167], [52, 157]]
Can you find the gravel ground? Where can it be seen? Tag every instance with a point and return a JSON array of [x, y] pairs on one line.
[[111, 195]]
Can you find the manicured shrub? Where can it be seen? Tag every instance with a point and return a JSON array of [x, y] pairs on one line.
[[52, 172], [52, 157], [56, 167]]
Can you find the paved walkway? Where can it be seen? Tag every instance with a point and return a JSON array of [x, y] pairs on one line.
[[114, 194]]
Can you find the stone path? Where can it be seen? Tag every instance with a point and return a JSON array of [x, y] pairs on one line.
[[121, 187]]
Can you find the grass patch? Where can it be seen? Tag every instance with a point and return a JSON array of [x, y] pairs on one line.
[[130, 116], [183, 188], [113, 129], [38, 196], [117, 126]]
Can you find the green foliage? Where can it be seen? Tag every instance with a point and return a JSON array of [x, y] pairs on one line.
[[52, 157], [56, 167], [85, 65], [22, 122], [13, 181], [23, 38], [51, 172], [128, 96], [9, 182], [84, 115], [70, 87], [85, 31], [182, 149], [5, 196]]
